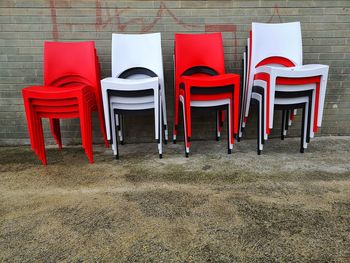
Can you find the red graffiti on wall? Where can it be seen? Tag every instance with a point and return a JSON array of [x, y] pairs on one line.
[[103, 19], [276, 13], [115, 17], [53, 19], [145, 27], [101, 23]]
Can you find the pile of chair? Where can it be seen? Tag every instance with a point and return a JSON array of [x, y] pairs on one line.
[[136, 85], [201, 82], [274, 78], [71, 90]]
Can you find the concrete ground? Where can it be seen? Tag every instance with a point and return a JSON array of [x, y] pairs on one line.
[[282, 206]]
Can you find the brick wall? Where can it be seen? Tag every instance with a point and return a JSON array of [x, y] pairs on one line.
[[25, 24]]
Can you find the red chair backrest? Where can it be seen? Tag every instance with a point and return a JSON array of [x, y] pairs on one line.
[[71, 63], [193, 50]]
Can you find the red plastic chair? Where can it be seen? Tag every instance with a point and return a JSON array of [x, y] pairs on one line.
[[200, 81], [71, 90]]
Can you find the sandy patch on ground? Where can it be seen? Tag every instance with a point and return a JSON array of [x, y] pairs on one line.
[[282, 206]]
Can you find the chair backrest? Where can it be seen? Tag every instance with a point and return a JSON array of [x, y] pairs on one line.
[[273, 44], [137, 56], [199, 53], [71, 63], [276, 44]]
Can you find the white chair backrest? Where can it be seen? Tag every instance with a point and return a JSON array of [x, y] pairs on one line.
[[272, 40], [276, 40], [137, 51]]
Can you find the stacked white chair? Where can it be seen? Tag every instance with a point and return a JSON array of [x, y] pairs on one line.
[[276, 79], [136, 84]]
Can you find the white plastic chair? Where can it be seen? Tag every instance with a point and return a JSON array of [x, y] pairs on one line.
[[137, 84], [274, 56]]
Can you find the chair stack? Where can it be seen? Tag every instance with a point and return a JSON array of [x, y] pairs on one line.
[[71, 90], [201, 82], [136, 85], [276, 79]]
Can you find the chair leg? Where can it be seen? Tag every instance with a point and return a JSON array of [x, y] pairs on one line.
[[302, 139], [260, 127], [306, 127], [115, 138], [114, 132], [187, 143], [156, 114], [236, 108], [176, 118], [89, 138], [283, 125], [221, 120], [166, 132], [188, 119], [102, 123], [56, 131], [29, 116], [229, 129], [259, 133], [309, 119], [160, 126], [218, 128], [292, 116], [117, 123], [86, 128], [37, 135], [164, 117], [240, 125], [41, 141], [121, 128], [240, 114], [288, 117]]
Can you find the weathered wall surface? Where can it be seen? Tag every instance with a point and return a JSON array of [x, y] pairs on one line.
[[26, 24]]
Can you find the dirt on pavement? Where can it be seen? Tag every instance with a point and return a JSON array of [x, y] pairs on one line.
[[282, 206]]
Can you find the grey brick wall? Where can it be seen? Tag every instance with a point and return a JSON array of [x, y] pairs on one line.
[[25, 24]]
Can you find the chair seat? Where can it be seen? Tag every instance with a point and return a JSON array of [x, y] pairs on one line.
[[131, 95], [214, 82], [52, 92], [302, 71], [132, 100], [210, 81], [59, 96], [200, 97], [129, 84], [54, 102]]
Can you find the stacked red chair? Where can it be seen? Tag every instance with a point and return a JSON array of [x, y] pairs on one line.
[[201, 82], [276, 79], [71, 90]]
